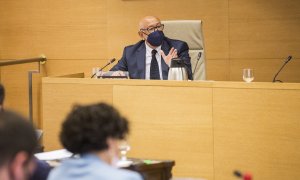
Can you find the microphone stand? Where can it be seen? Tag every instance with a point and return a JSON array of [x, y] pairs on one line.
[[287, 60], [198, 58], [111, 61]]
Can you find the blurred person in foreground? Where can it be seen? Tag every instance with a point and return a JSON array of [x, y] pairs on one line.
[[93, 133], [2, 95], [17, 144], [42, 168]]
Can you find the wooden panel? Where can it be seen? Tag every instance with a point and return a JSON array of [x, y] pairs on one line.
[[15, 81], [207, 127], [18, 28], [20, 13], [60, 67], [74, 29], [59, 99], [263, 49], [265, 29], [216, 49], [74, 12], [263, 9], [125, 15], [265, 69], [258, 133], [67, 29], [217, 70], [73, 42], [18, 42], [170, 123]]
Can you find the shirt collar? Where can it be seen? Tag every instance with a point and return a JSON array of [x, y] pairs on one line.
[[149, 49]]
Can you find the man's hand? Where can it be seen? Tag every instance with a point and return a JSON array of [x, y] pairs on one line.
[[167, 58]]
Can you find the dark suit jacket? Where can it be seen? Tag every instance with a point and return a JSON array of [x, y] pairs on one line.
[[133, 59]]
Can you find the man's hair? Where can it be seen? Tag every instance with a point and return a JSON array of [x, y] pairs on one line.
[[2, 94], [87, 128], [16, 135]]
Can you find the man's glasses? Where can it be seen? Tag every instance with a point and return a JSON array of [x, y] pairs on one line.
[[152, 29]]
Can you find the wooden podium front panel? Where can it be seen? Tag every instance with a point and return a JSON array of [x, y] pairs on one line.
[[257, 130], [208, 128], [170, 122], [59, 98]]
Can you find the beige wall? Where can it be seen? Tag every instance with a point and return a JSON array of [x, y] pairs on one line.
[[77, 35]]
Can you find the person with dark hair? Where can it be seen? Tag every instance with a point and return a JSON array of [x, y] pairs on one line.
[[17, 144], [93, 133], [2, 95], [42, 168]]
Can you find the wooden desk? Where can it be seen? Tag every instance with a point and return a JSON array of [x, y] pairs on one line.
[[152, 170], [208, 128], [155, 170]]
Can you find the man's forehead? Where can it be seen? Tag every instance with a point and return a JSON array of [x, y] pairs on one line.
[[153, 23], [147, 22]]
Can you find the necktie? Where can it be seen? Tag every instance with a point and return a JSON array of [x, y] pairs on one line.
[[154, 69]]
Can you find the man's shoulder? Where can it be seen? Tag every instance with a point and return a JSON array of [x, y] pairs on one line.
[[117, 174], [126, 174], [177, 44], [174, 41], [96, 170], [135, 46]]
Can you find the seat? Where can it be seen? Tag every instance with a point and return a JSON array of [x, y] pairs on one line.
[[189, 31]]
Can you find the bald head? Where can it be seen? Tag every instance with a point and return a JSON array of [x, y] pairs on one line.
[[148, 21]]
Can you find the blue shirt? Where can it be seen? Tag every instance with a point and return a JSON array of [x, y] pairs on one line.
[[90, 167]]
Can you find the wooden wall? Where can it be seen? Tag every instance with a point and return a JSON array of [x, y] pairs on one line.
[[77, 35]]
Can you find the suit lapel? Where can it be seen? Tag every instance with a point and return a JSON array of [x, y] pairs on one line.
[[141, 60], [165, 68]]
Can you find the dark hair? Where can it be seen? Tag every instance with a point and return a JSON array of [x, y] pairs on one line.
[[16, 135], [2, 94], [87, 128]]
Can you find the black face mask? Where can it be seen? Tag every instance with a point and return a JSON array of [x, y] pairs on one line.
[[156, 38]]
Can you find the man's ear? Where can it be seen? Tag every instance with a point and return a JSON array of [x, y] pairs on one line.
[[17, 165], [141, 35], [113, 145], [111, 142]]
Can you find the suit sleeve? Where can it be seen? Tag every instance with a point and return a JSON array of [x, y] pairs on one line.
[[122, 63], [184, 54]]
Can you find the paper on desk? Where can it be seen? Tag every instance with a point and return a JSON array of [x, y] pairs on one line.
[[54, 155], [123, 163]]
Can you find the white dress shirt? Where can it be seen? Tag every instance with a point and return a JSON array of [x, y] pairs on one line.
[[149, 58]]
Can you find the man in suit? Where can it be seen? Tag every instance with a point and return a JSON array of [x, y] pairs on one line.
[[150, 58]]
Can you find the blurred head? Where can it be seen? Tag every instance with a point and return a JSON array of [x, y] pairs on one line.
[[95, 128], [151, 30], [2, 95], [17, 144]]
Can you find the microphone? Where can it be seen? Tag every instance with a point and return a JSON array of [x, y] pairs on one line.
[[286, 61], [198, 58], [109, 62]]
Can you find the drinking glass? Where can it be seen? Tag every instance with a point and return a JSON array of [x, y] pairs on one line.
[[248, 75], [124, 147]]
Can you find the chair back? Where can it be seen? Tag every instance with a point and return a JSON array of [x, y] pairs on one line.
[[189, 31]]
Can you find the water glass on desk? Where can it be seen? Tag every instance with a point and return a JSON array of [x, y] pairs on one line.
[[124, 147], [248, 75]]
